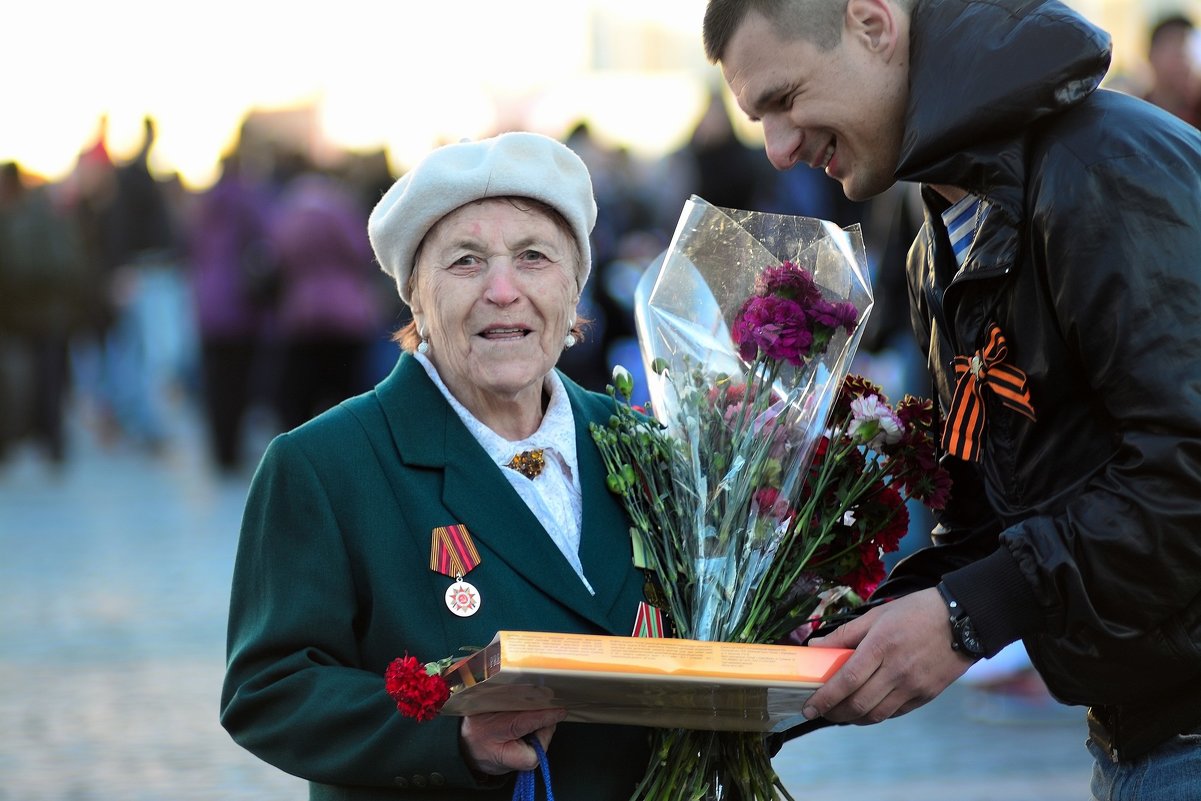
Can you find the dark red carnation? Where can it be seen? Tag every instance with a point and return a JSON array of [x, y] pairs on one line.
[[869, 572], [931, 487], [417, 694], [916, 413], [889, 536]]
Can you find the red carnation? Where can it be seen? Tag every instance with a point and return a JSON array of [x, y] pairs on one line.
[[769, 501], [418, 693], [889, 536], [868, 574]]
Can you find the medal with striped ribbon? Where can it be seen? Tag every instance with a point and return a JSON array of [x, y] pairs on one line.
[[453, 553]]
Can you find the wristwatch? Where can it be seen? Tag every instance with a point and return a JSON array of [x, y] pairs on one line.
[[963, 632]]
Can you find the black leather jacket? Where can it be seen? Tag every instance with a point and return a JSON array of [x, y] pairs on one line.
[[1079, 533]]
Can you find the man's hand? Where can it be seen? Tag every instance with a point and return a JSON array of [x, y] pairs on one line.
[[493, 742], [903, 658]]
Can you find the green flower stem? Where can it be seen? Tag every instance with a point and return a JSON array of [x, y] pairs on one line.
[[704, 765]]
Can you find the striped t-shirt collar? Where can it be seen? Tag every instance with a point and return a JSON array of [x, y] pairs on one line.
[[963, 220]]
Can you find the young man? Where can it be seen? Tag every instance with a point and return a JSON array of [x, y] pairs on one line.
[[1056, 287]]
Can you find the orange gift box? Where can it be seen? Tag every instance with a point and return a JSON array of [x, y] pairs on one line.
[[643, 681]]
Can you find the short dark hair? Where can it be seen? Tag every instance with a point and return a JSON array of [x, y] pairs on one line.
[[817, 21]]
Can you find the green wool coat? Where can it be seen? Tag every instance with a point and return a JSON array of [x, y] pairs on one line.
[[332, 581]]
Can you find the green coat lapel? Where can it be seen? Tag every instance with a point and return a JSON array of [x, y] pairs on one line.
[[428, 433]]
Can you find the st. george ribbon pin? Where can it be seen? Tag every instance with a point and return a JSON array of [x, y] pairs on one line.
[[452, 553]]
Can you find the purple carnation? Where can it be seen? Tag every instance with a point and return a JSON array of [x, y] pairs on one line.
[[774, 326], [788, 281], [834, 315]]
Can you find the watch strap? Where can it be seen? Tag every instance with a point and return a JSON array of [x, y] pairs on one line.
[[963, 633], [953, 606]]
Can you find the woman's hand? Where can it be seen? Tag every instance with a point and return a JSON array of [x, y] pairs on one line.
[[493, 742]]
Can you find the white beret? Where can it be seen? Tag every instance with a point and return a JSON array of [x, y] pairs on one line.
[[517, 164]]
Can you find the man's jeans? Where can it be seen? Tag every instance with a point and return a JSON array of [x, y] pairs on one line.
[[1171, 772]]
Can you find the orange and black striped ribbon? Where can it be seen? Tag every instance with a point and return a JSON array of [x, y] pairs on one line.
[[452, 551], [986, 368]]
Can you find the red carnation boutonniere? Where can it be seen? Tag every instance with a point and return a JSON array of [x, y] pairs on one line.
[[418, 689]]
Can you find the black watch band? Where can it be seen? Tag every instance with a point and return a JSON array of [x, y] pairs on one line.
[[963, 633]]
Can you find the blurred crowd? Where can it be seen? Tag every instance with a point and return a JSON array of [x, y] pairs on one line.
[[256, 300], [123, 293]]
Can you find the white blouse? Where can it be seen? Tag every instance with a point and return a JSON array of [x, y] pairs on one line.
[[554, 496]]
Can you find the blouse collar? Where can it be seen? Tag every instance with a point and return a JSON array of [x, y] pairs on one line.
[[556, 434]]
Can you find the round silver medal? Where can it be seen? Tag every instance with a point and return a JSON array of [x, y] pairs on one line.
[[463, 599]]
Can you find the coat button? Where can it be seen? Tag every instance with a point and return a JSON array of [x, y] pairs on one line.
[[419, 781], [437, 779], [401, 781]]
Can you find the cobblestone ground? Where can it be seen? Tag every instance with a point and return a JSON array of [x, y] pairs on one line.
[[114, 578]]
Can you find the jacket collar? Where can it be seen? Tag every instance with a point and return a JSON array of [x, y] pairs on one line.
[[428, 434], [1017, 62]]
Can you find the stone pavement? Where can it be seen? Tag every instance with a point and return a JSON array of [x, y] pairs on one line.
[[114, 578]]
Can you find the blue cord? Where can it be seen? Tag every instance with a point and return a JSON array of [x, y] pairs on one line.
[[526, 788]]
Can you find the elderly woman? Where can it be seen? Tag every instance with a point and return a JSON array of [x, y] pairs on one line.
[[475, 439]]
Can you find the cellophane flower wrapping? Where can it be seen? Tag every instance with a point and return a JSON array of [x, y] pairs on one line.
[[748, 324]]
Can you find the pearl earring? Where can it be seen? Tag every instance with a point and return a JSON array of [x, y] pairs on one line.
[[423, 347], [569, 341]]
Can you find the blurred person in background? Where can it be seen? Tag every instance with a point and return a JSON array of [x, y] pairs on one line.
[[143, 357], [718, 166], [43, 302], [1172, 53], [475, 437], [327, 314], [232, 273], [88, 194], [585, 363], [369, 176]]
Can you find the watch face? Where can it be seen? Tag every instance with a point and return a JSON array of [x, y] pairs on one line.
[[965, 634]]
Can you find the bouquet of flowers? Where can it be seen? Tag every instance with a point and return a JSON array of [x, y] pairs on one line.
[[768, 483]]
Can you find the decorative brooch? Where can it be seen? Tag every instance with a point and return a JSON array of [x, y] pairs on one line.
[[528, 463]]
